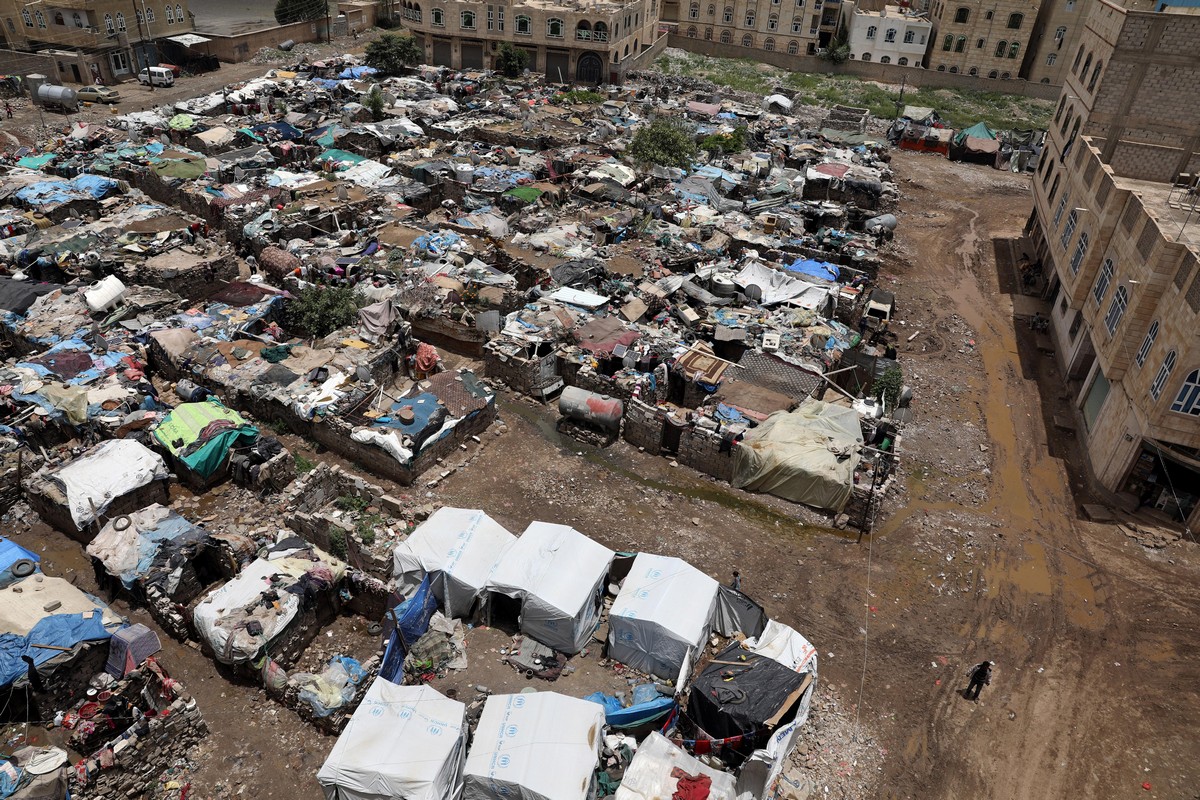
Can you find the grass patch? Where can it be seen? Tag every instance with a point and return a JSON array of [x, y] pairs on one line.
[[350, 502], [366, 528], [303, 464], [960, 108]]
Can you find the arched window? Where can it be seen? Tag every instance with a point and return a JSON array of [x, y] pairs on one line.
[[1144, 351], [712, 10], [866, 56], [600, 32], [1095, 75], [726, 37], [121, 21], [1080, 253], [26, 17], [1062, 103], [1069, 228], [169, 13], [1005, 76], [109, 26], [1059, 35], [138, 15], [747, 41], [793, 48], [1067, 121], [948, 42], [466, 21], [885, 59], [708, 34], [78, 20], [41, 19], [750, 18], [437, 18], [772, 23], [941, 68], [691, 32], [902, 61], [727, 16], [871, 29], [554, 28], [583, 30], [1164, 374], [960, 44], [1188, 399], [59, 19], [1050, 59], [1116, 311], [973, 71], [993, 74], [1001, 48], [1087, 64], [1015, 21], [768, 44], [962, 15], [890, 35], [909, 36], [694, 11], [149, 15], [954, 70], [1014, 50], [179, 13], [1103, 278]]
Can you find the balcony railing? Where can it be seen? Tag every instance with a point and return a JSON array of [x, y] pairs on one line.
[[591, 36]]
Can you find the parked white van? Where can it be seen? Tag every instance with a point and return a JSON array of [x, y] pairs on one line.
[[158, 76]]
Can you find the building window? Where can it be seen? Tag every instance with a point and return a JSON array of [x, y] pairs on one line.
[[109, 26], [600, 32], [1078, 58], [773, 23], [866, 56], [712, 11], [1069, 228], [871, 32], [524, 25], [954, 70], [78, 19], [1116, 311], [1095, 76], [793, 48], [989, 15], [466, 20], [1103, 278], [691, 32], [59, 19], [1164, 374], [948, 42], [26, 18], [727, 16], [1080, 253], [149, 15], [554, 28], [726, 37], [1015, 21], [747, 41], [993, 75], [1001, 48], [1005, 76], [491, 23], [1050, 59], [169, 13], [909, 36], [179, 13], [120, 21], [120, 62], [749, 19], [694, 12], [890, 36], [797, 25], [1087, 64], [973, 71], [1014, 50], [1059, 35], [499, 18], [138, 15], [1188, 399], [902, 61], [941, 68], [768, 44], [962, 15], [41, 19], [1062, 205], [960, 44], [1144, 351], [885, 59]]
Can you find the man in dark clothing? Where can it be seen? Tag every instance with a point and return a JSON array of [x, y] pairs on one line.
[[981, 675]]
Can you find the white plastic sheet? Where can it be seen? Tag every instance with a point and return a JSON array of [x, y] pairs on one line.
[[649, 774], [109, 470], [236, 594], [542, 746]]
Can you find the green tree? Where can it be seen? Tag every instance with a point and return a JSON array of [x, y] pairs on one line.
[[719, 143], [666, 142], [374, 103], [321, 310], [838, 51], [289, 11], [391, 53], [887, 387], [512, 60]]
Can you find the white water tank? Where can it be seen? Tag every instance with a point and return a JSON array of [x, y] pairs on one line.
[[61, 96], [464, 173], [723, 285], [104, 294]]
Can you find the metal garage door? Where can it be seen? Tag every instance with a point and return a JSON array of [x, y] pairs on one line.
[[441, 53], [472, 55], [558, 66]]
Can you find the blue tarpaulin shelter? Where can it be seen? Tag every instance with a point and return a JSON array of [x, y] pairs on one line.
[[11, 553], [412, 621], [349, 73], [818, 269]]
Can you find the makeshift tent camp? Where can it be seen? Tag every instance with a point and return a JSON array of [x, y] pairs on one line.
[[150, 547], [978, 143], [76, 619], [403, 743], [742, 693], [788, 648], [200, 435], [457, 548], [541, 746], [558, 574], [806, 456], [107, 471], [650, 773], [661, 616]]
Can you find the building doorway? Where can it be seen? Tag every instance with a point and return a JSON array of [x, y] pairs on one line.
[[590, 69]]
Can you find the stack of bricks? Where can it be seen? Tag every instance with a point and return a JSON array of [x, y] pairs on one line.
[[644, 426]]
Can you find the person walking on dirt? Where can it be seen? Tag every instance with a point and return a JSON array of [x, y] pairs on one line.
[[736, 583], [980, 675], [8, 109]]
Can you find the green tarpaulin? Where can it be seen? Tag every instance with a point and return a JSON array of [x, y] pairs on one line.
[[340, 156], [183, 427], [526, 193], [36, 162], [181, 168], [181, 122], [979, 130]]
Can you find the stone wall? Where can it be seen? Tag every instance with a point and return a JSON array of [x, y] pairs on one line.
[[143, 751], [700, 449], [643, 426], [13, 62], [574, 374], [48, 501], [331, 724]]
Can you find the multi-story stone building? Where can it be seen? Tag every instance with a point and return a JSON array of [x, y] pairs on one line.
[[587, 42], [891, 35], [797, 27], [107, 40], [1116, 223], [987, 38], [1055, 37]]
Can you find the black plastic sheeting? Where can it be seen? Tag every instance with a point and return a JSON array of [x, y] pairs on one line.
[[18, 296], [737, 698]]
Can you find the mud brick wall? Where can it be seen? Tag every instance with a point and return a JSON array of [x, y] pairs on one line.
[[587, 378], [701, 450], [142, 752], [643, 425], [520, 374], [321, 487], [51, 505], [167, 615]]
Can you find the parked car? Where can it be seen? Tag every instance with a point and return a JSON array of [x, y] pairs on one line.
[[98, 94], [157, 76]]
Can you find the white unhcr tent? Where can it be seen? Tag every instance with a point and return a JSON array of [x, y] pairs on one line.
[[557, 573], [648, 776], [403, 743], [456, 548], [662, 615], [542, 746]]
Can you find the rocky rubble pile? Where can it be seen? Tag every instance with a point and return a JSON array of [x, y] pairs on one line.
[[832, 757]]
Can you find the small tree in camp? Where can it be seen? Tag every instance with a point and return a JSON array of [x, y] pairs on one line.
[[374, 103], [321, 310], [666, 142], [289, 11], [391, 53], [512, 60], [888, 385]]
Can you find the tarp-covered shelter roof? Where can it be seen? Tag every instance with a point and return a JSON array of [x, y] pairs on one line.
[[201, 434], [651, 775], [109, 470]]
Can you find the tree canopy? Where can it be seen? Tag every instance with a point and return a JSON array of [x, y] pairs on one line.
[[666, 142], [391, 53], [512, 60]]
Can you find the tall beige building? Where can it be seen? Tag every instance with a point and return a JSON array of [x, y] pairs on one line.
[[987, 38], [1055, 38], [1116, 223], [90, 39], [798, 27], [585, 42]]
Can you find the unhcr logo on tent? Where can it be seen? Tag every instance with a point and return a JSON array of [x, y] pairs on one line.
[[503, 762], [377, 711], [435, 730], [518, 702], [653, 573], [406, 713], [511, 731], [643, 594]]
